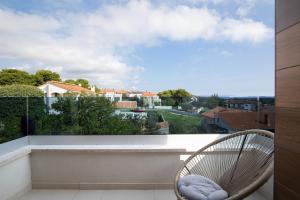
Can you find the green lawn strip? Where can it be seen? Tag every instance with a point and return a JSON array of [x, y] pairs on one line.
[[182, 124]]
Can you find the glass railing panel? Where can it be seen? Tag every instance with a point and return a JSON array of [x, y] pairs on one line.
[[97, 115], [13, 118]]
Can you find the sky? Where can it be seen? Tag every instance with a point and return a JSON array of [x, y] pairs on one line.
[[223, 47]]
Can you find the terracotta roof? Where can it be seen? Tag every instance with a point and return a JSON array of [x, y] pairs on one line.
[[126, 104], [211, 113], [122, 91], [69, 87], [105, 90], [136, 92], [248, 120], [149, 94]]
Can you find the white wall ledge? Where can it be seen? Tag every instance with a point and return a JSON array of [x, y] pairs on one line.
[[184, 144], [109, 148], [14, 155]]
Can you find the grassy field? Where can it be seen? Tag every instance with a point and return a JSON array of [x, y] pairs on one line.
[[182, 124]]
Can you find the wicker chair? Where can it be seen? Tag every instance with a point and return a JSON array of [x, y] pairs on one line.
[[240, 163]]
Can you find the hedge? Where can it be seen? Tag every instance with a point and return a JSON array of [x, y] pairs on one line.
[[14, 101]]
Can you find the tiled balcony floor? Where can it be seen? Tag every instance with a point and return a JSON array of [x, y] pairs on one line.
[[107, 195]]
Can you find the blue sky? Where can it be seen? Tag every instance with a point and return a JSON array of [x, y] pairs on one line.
[[205, 46]]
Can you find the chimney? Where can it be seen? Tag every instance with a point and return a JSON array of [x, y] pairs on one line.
[[93, 88]]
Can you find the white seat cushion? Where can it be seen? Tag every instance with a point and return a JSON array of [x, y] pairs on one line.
[[194, 187]]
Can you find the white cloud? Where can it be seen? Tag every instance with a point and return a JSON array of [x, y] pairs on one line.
[[86, 44], [245, 29], [245, 7]]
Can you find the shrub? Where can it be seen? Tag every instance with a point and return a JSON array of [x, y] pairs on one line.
[[20, 91], [14, 101], [90, 115]]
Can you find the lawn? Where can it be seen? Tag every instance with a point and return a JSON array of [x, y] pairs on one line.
[[182, 124]]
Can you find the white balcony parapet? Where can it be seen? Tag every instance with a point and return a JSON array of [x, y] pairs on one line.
[[97, 162]]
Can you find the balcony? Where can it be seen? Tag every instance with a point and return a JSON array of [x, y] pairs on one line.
[[99, 167]]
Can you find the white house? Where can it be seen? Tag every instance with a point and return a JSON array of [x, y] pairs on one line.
[[150, 99], [54, 89], [111, 94], [58, 89]]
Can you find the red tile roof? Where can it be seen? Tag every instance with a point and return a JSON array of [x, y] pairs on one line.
[[105, 90], [211, 113], [241, 119], [70, 87], [149, 94], [248, 120], [126, 104], [122, 91]]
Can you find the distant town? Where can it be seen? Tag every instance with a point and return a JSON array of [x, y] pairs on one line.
[[131, 112]]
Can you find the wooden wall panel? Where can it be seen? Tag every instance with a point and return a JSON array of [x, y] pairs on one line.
[[288, 168], [288, 47], [287, 153], [287, 87], [287, 128], [282, 192], [287, 13]]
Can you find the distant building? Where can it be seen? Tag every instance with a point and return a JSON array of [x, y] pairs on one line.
[[225, 120], [243, 104], [248, 120], [126, 104], [59, 89], [54, 89], [137, 94], [151, 99], [112, 94]]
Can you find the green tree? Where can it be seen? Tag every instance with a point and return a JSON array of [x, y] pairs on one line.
[[166, 93], [92, 115], [42, 76], [179, 96], [168, 101], [83, 82], [214, 100], [71, 81], [14, 76]]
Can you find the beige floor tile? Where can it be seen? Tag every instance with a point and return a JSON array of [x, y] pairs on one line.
[[50, 195], [109, 195], [128, 195], [89, 195], [164, 195], [255, 196]]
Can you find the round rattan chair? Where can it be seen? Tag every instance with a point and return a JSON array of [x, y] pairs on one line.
[[240, 163]]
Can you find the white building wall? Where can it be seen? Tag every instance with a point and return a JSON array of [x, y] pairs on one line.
[[50, 90]]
